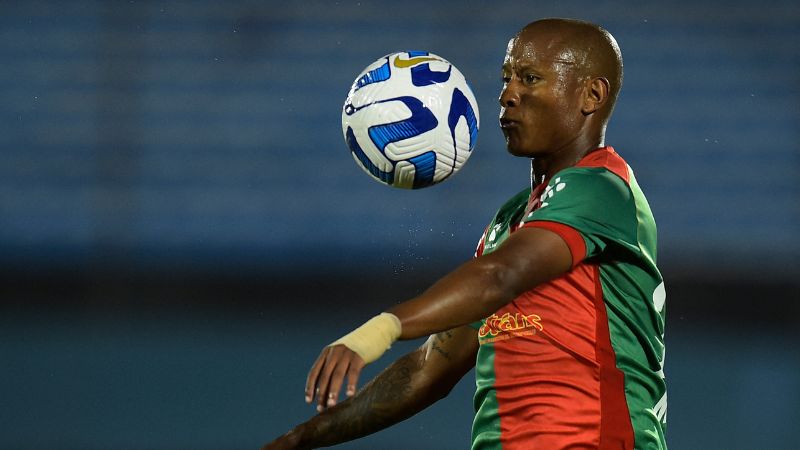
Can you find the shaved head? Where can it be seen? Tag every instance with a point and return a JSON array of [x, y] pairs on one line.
[[561, 79], [590, 49]]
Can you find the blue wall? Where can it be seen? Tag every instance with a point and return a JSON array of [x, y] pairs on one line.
[[208, 134]]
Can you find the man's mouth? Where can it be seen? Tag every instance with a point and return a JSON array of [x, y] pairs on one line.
[[508, 123]]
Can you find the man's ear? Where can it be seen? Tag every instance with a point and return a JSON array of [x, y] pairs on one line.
[[596, 95]]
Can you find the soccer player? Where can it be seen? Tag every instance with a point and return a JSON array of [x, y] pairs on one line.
[[562, 309]]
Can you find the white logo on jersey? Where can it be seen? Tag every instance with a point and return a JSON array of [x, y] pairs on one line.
[[556, 186], [660, 410], [490, 240], [659, 297]]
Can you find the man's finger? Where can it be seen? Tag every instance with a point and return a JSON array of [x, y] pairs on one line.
[[353, 372], [337, 377], [323, 382], [313, 374]]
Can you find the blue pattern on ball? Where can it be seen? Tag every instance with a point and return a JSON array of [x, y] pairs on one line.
[[422, 75], [421, 120], [424, 169], [352, 142], [420, 130], [382, 73], [460, 107]]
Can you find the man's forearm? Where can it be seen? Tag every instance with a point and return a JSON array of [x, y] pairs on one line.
[[397, 393], [483, 285]]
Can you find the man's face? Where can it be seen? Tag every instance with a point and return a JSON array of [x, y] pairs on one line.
[[541, 99]]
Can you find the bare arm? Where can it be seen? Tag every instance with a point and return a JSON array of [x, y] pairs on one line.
[[481, 286], [409, 385]]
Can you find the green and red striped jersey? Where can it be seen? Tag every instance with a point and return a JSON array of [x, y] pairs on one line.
[[578, 362]]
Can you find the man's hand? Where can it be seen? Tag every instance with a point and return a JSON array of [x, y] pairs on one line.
[[407, 386], [328, 372], [347, 356]]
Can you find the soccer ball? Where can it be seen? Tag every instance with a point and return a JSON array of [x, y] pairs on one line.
[[410, 120]]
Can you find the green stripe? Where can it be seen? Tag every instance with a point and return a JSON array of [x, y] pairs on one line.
[[637, 352], [636, 329], [486, 426]]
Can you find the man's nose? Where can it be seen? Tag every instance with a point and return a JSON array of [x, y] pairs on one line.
[[509, 96]]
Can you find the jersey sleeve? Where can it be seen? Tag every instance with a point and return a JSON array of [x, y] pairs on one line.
[[592, 209]]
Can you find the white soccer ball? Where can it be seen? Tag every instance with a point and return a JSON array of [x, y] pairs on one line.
[[410, 120]]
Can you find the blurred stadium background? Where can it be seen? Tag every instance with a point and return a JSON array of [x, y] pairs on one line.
[[182, 228]]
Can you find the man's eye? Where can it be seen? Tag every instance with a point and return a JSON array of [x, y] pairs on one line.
[[531, 78]]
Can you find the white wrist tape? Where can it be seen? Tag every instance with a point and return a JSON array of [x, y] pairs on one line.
[[373, 338]]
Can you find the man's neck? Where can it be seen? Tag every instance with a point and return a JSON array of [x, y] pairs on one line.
[[544, 168]]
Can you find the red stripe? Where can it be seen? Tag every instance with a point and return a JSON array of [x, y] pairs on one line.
[[608, 158], [616, 429], [548, 382], [481, 243], [570, 235]]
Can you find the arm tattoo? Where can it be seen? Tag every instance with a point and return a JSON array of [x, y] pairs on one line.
[[386, 400], [441, 338], [394, 395], [371, 410]]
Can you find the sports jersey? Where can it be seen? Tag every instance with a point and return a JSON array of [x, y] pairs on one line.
[[577, 362]]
